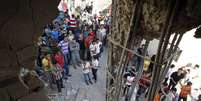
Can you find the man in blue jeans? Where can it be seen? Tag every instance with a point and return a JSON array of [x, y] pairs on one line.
[[64, 45], [75, 52]]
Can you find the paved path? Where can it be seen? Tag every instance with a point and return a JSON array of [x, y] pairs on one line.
[[76, 86]]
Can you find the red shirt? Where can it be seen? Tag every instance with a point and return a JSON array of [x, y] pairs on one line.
[[89, 39], [60, 59], [185, 90], [144, 81]]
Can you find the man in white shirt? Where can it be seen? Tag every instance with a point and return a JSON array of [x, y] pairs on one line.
[[195, 79], [99, 48], [93, 48], [171, 95], [129, 81], [101, 33]]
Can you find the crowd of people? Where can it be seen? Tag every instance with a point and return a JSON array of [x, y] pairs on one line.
[[177, 86], [78, 41], [68, 41], [182, 81]]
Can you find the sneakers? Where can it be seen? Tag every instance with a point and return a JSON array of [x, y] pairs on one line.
[[90, 82], [65, 78], [87, 83], [69, 75], [62, 86]]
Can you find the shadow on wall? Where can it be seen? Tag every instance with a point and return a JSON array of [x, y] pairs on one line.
[[21, 22]]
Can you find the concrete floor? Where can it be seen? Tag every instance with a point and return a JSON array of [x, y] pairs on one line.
[[76, 88]]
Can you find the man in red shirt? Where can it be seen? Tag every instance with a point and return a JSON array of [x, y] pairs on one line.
[[185, 91], [143, 84], [89, 39]]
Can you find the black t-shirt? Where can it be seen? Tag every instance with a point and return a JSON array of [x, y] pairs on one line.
[[176, 77]]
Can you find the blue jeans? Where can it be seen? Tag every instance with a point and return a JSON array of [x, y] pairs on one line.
[[87, 77], [66, 63], [75, 58]]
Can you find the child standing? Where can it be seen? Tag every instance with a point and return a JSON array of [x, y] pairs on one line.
[[57, 71], [86, 70], [94, 68]]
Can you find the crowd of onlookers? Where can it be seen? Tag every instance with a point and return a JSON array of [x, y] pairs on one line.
[[70, 41], [177, 85]]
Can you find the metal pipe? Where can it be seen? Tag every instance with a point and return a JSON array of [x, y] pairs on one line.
[[159, 57], [139, 74]]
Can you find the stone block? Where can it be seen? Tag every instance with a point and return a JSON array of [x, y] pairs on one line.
[[34, 83], [17, 90], [36, 96]]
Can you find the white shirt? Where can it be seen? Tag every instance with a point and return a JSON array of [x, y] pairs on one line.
[[86, 67], [95, 64], [170, 96], [92, 49], [194, 72], [98, 47], [129, 80], [170, 71], [101, 33], [71, 37]]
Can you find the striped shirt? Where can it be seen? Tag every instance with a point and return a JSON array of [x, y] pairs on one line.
[[57, 72], [73, 23], [64, 47]]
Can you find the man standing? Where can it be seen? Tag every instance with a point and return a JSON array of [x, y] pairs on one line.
[[64, 45], [92, 49], [101, 33], [171, 96], [73, 23], [185, 91], [175, 78], [99, 48], [75, 52], [94, 68]]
